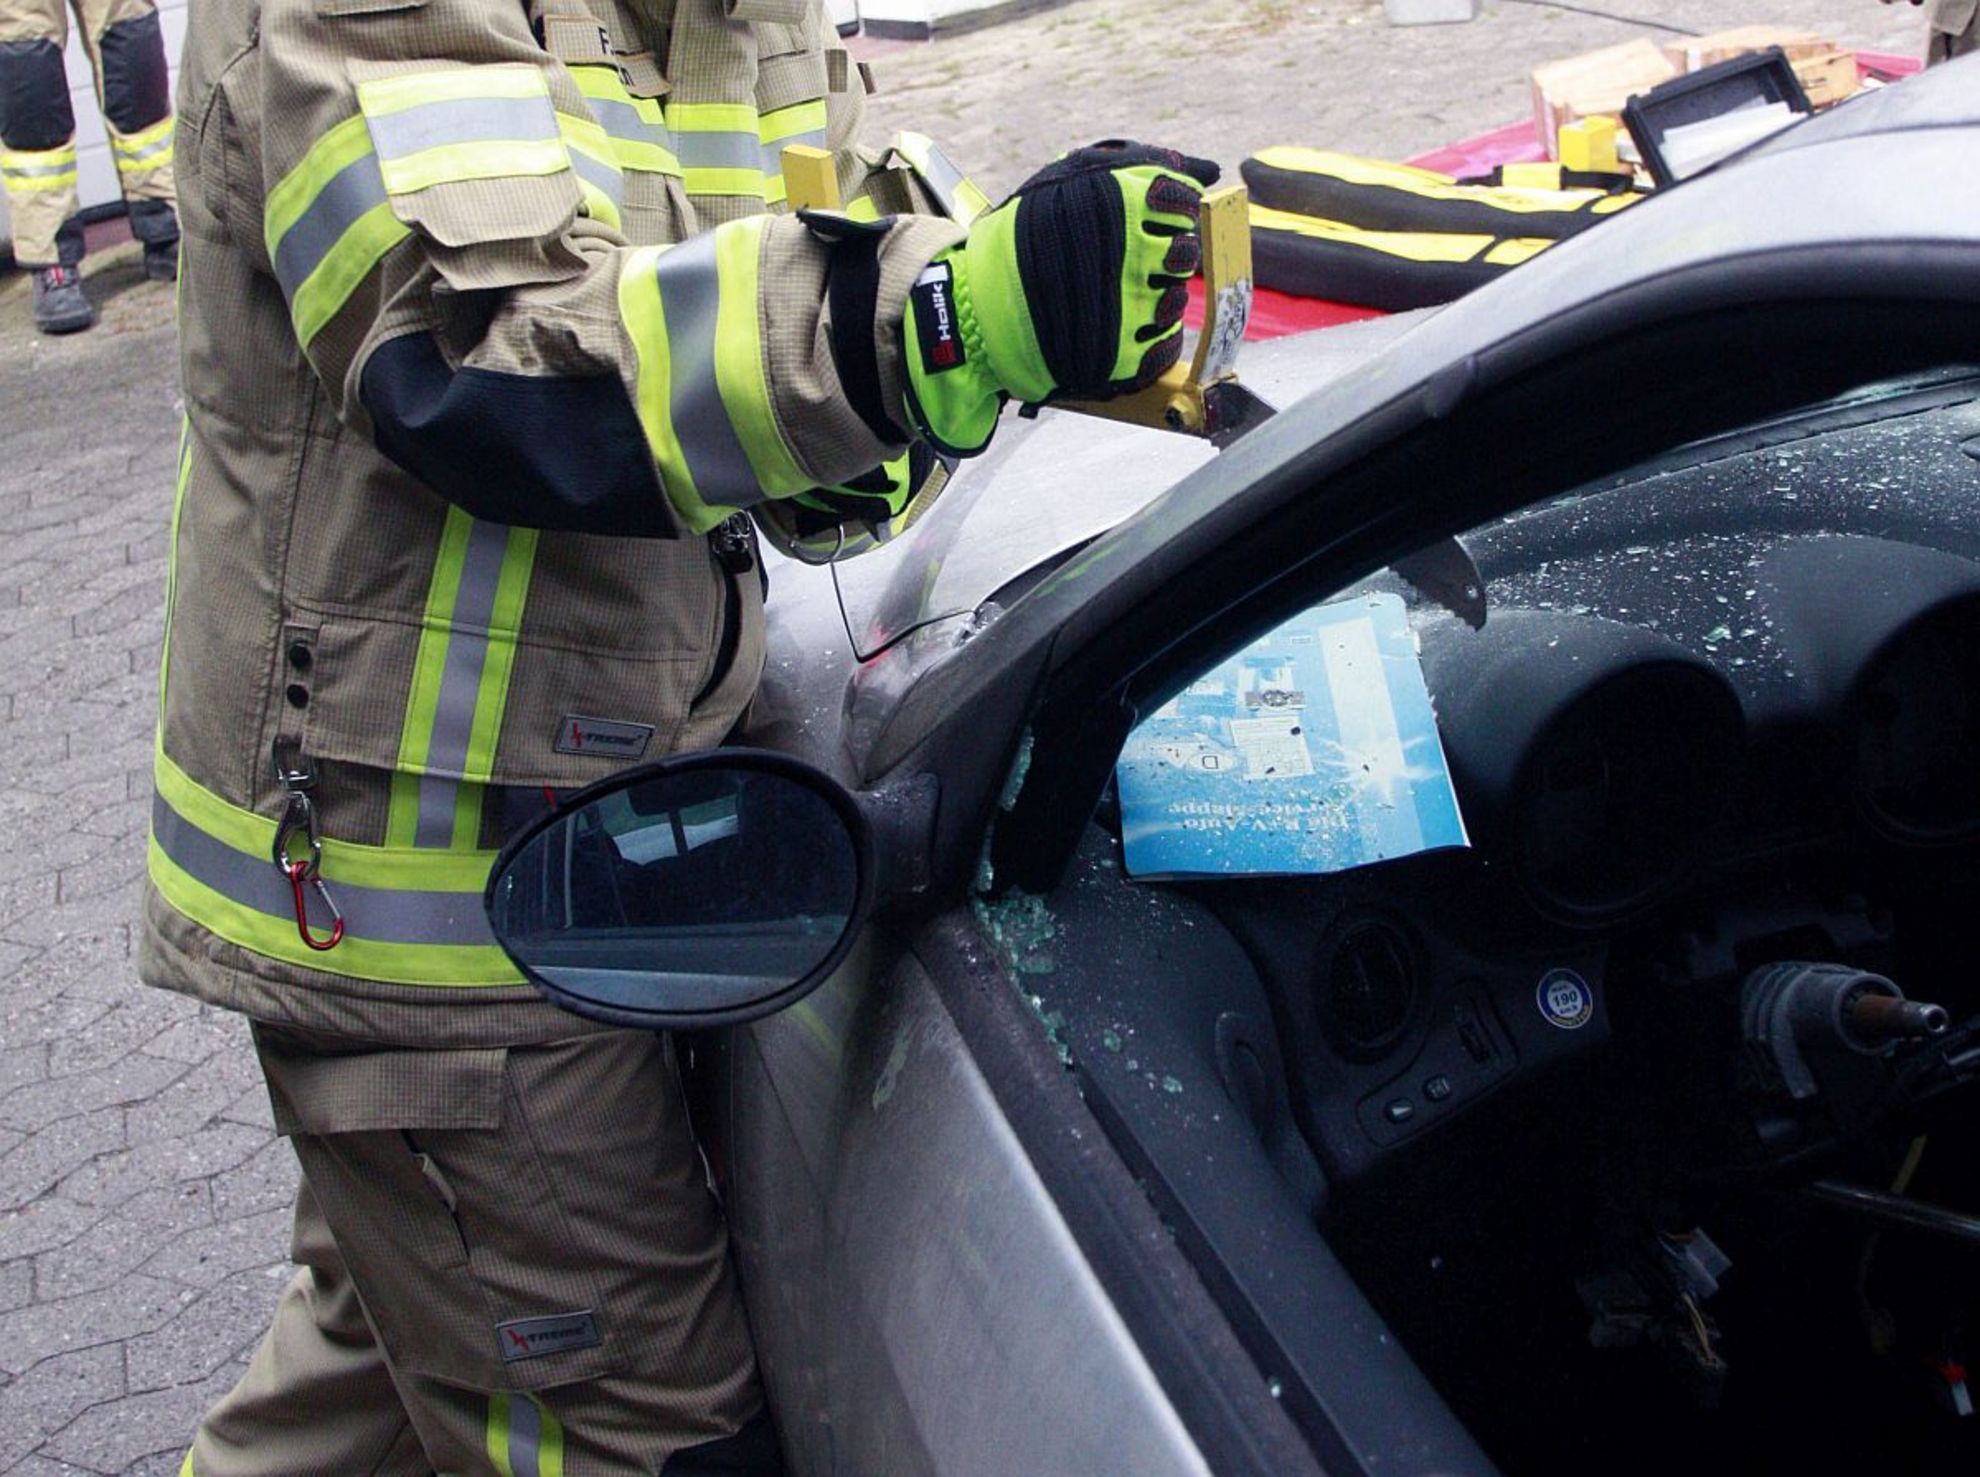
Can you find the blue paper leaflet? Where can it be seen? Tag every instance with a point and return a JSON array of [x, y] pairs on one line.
[[1313, 750]]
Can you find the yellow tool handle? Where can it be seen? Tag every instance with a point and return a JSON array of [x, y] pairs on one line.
[[811, 178]]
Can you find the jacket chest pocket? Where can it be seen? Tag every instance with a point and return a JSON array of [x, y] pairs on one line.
[[521, 632]]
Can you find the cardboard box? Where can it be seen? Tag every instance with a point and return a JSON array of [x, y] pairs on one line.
[[1595, 84], [1827, 71], [1827, 78], [1697, 52]]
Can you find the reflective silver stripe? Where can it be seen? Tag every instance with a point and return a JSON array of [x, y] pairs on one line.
[[718, 150], [461, 121], [525, 1437], [942, 176], [39, 171], [460, 682], [622, 121], [607, 180], [138, 156], [773, 153], [356, 188], [384, 916], [689, 291]]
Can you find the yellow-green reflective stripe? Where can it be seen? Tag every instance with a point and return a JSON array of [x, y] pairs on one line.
[[464, 123], [712, 118], [385, 868], [412, 917], [802, 123], [460, 684], [959, 194], [172, 560], [712, 386], [50, 169], [720, 150], [429, 666], [385, 95], [785, 124], [148, 148], [863, 209], [505, 626], [186, 1467], [597, 170], [327, 223], [601, 206], [330, 286], [328, 157], [524, 1438], [448, 164], [29, 159], [748, 182], [645, 318], [739, 367], [447, 966], [636, 126], [20, 183], [156, 158]]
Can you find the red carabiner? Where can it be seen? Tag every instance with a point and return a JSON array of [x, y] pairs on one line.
[[303, 874]]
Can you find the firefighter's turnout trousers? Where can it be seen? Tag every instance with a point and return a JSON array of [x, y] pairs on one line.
[[38, 126]]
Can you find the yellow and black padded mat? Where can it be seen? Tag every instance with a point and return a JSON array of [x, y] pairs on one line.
[[1379, 196], [1392, 270]]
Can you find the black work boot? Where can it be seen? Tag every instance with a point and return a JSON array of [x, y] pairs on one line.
[[59, 304], [156, 224], [161, 260]]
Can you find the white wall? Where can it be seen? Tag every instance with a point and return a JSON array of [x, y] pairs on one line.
[[926, 15], [98, 175]]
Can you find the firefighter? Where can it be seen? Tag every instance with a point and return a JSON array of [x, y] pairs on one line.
[[38, 142], [495, 338], [1955, 29]]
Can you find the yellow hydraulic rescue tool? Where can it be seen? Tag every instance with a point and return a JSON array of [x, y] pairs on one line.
[[1198, 396]]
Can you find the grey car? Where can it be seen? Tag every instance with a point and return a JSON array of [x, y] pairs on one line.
[[1621, 1130]]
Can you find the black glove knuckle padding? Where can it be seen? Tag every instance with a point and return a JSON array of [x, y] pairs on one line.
[[1155, 363], [1072, 234], [1185, 256]]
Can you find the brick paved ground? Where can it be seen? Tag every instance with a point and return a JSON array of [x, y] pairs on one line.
[[143, 1200]]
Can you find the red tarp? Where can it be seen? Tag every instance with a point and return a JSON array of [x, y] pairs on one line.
[[1275, 314]]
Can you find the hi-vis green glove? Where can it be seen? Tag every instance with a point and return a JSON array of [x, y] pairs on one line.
[[1073, 288]]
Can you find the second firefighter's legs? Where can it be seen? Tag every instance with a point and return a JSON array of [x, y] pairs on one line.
[[127, 49], [38, 160]]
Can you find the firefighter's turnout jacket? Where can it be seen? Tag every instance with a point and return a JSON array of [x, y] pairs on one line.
[[126, 50], [466, 441]]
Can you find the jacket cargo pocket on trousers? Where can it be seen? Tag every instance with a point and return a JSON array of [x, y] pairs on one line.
[[408, 1154]]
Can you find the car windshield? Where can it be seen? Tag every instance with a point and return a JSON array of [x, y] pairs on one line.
[[1762, 571]]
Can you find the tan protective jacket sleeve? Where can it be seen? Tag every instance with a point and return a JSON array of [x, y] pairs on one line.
[[442, 209]]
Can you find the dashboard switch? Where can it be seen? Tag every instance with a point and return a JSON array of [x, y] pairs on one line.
[[1437, 1089], [1399, 1110]]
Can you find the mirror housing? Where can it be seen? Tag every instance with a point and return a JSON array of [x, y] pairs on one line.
[[702, 890]]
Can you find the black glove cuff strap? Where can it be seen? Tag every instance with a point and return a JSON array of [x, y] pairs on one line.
[[852, 287]]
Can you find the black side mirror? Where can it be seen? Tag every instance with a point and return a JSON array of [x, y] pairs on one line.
[[703, 890]]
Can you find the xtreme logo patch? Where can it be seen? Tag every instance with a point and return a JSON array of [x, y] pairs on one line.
[[532, 1338], [580, 735], [935, 324]]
